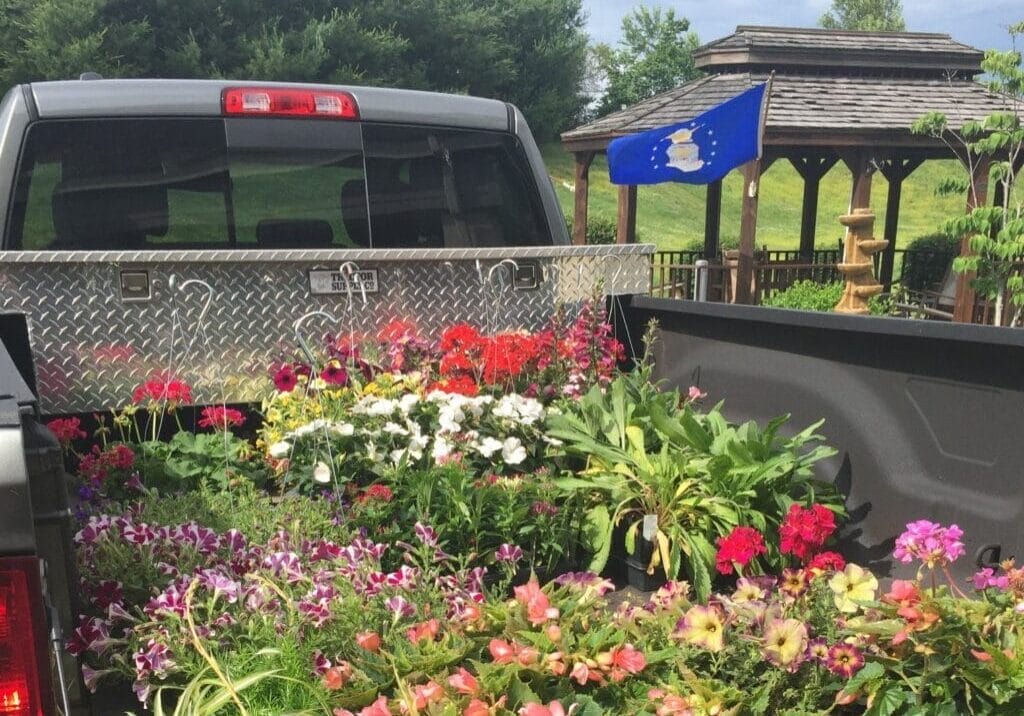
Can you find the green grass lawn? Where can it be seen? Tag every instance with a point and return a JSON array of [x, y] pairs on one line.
[[672, 215]]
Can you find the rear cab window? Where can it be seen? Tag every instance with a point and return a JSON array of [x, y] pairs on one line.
[[253, 183]]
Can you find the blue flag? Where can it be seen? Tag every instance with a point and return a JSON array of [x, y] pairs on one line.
[[698, 151]]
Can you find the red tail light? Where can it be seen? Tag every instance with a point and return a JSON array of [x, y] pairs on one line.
[[23, 660], [283, 102]]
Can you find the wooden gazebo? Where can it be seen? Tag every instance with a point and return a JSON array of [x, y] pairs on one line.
[[836, 96]]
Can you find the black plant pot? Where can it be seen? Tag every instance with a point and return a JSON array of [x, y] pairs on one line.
[[636, 567]]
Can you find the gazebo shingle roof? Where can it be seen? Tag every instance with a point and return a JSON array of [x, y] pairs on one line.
[[807, 103], [830, 87]]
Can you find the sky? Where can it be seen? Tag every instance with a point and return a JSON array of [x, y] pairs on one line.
[[979, 23]]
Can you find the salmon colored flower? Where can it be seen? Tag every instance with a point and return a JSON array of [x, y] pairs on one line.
[[429, 693], [502, 652], [369, 640], [424, 631], [538, 606], [337, 676], [464, 682]]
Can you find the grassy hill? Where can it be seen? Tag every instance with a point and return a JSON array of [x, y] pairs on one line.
[[672, 215]]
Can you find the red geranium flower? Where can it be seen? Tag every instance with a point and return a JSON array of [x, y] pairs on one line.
[[460, 337], [66, 430], [220, 418], [738, 547], [377, 493], [826, 562], [159, 390], [462, 384], [397, 330], [805, 530]]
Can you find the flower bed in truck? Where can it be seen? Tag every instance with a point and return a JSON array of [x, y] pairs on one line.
[[422, 524]]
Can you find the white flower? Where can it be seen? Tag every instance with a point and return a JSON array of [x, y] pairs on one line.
[[397, 455], [506, 407], [488, 446], [344, 429], [442, 449], [381, 407], [450, 418], [309, 427], [371, 452], [530, 411], [552, 441], [407, 402], [438, 396], [394, 429], [280, 449], [321, 473], [417, 443], [512, 451]]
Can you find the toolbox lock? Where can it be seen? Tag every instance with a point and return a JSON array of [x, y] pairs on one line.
[[135, 285]]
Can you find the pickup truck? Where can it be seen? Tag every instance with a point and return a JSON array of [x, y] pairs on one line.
[[927, 417], [139, 211]]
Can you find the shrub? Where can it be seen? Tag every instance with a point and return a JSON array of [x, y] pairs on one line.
[[600, 230], [725, 242], [811, 296], [924, 270], [807, 296]]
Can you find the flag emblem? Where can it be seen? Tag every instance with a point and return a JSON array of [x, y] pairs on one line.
[[698, 151]]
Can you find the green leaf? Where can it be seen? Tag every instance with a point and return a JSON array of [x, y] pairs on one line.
[[888, 700], [597, 533]]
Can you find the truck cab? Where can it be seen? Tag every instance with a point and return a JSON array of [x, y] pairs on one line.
[[137, 165]]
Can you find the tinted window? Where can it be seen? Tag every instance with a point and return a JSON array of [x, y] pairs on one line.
[[268, 183], [432, 188]]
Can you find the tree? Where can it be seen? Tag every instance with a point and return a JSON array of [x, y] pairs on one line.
[[874, 15], [529, 52], [996, 232], [654, 55]]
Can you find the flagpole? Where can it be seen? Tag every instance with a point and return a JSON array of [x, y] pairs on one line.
[[764, 113]]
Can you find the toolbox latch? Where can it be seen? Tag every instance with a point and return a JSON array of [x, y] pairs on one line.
[[135, 285]]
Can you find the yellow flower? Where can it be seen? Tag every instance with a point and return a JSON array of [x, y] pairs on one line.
[[785, 641], [703, 626], [852, 586], [747, 591]]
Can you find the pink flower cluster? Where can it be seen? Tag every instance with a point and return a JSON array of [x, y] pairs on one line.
[[930, 543]]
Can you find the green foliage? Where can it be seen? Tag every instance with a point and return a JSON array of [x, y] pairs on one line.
[[529, 52], [475, 515], [873, 15], [996, 232], [926, 270], [808, 296], [188, 461], [648, 455], [600, 230], [655, 54]]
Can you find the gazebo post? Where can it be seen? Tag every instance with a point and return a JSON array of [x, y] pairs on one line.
[[812, 170], [581, 195], [862, 167], [625, 232], [748, 232], [713, 220], [977, 195], [895, 171]]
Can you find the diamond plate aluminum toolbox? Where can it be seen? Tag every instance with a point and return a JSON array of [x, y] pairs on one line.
[[102, 322]]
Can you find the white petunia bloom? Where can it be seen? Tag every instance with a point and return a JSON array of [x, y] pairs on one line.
[[322, 473], [530, 411], [309, 428], [344, 429], [417, 444], [512, 451], [506, 407], [397, 455], [407, 402], [450, 418], [488, 446], [280, 449], [394, 429], [442, 449], [381, 407], [371, 452]]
